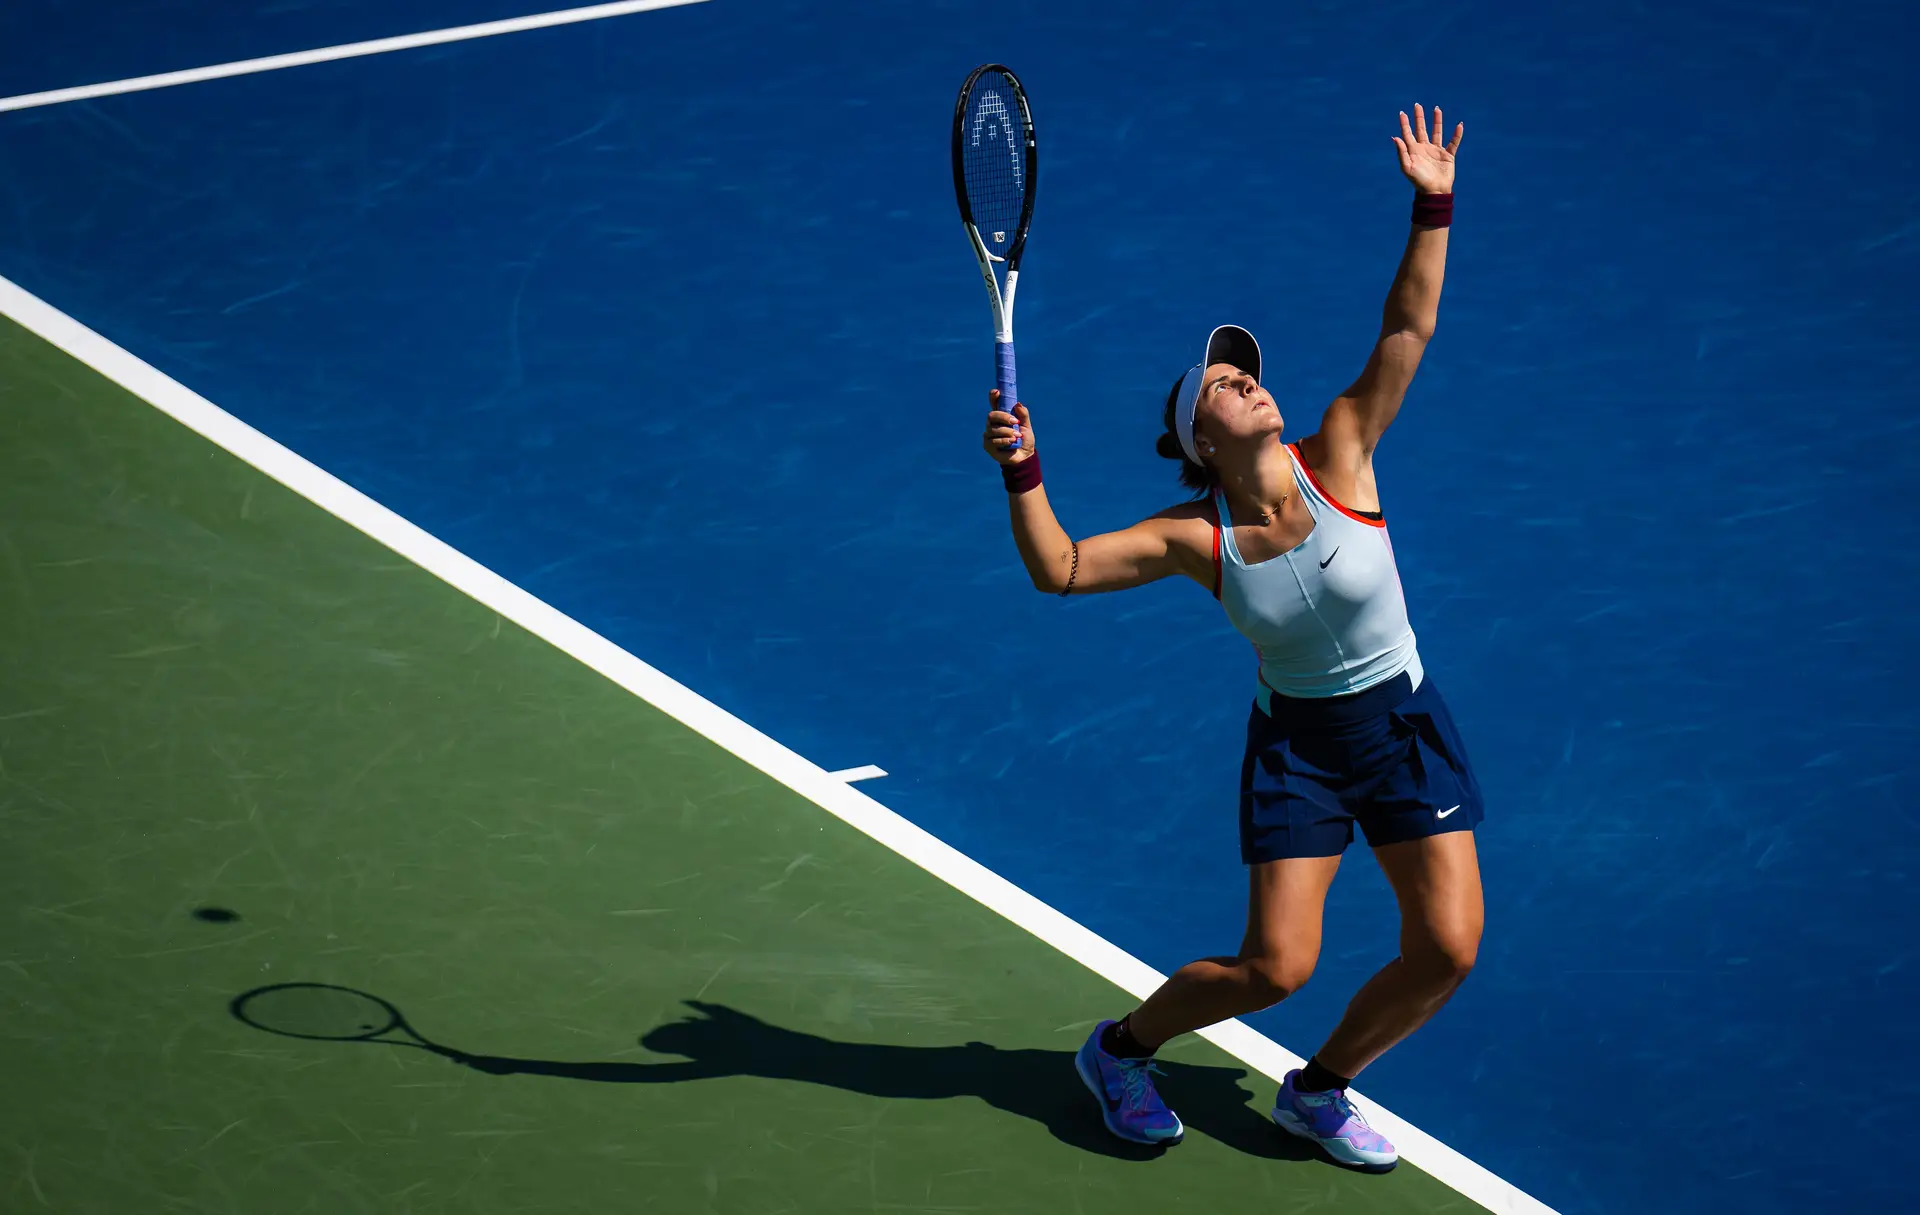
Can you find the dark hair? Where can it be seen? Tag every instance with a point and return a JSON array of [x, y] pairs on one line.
[[1196, 477]]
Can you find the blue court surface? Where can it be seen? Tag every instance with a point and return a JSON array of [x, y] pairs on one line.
[[668, 319]]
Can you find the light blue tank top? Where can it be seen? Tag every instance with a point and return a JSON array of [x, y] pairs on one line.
[[1328, 616]]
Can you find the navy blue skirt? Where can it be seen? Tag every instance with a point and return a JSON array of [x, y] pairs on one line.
[[1389, 758]]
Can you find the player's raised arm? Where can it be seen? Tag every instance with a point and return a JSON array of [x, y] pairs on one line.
[[1355, 421], [1152, 549]]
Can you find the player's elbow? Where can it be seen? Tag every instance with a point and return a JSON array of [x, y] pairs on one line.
[[1047, 582], [1050, 577]]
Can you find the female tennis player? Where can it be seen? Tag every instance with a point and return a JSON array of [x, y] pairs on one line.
[[1345, 728]]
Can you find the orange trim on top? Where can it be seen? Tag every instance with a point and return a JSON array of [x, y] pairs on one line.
[[1331, 500], [1216, 548]]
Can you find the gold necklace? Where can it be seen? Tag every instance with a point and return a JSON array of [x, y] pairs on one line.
[[1266, 516]]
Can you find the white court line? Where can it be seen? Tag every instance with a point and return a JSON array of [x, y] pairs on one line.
[[864, 772], [808, 779], [349, 50]]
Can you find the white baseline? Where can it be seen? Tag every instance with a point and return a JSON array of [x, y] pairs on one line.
[[348, 50], [804, 777]]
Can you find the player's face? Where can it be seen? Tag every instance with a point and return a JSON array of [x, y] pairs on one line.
[[1232, 405]]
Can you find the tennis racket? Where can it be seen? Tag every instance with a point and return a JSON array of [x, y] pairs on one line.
[[995, 170]]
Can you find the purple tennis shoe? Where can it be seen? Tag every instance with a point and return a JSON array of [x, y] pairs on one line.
[[1129, 1104], [1330, 1120]]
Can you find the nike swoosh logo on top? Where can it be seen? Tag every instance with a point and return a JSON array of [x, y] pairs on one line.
[[1330, 557], [1447, 811]]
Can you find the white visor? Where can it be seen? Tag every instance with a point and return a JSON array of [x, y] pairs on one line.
[[1227, 344]]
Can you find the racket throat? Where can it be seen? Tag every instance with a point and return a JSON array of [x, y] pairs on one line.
[[1001, 300]]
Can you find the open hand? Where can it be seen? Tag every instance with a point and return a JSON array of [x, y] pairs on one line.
[[1427, 162]]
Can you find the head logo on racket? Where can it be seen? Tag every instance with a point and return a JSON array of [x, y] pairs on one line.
[[991, 113]]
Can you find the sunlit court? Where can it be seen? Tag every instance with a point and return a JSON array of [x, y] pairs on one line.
[[750, 607]]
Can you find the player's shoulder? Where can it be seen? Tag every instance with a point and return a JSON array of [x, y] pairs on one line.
[[1341, 468], [1194, 510], [1186, 525]]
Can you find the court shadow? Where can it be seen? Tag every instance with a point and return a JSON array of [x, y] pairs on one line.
[[715, 1041], [1040, 1085]]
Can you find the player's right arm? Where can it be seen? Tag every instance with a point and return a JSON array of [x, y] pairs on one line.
[[1177, 540]]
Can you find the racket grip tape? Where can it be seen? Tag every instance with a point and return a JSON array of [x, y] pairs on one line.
[[1004, 379]]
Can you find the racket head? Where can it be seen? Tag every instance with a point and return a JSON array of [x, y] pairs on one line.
[[995, 160], [319, 1012]]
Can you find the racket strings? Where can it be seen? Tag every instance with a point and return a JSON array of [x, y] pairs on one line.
[[994, 158]]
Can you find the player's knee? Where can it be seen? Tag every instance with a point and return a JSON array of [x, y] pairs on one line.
[[1446, 958], [1272, 978]]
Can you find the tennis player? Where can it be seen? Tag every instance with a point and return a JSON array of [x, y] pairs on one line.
[[1346, 727]]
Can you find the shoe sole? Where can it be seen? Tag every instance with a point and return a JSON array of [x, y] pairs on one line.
[[1292, 1126], [1094, 1086]]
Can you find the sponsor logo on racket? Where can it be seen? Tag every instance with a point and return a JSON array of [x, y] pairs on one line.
[[992, 106]]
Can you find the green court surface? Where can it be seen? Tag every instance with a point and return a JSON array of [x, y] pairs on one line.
[[696, 990]]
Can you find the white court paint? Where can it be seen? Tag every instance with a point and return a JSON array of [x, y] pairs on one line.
[[348, 50]]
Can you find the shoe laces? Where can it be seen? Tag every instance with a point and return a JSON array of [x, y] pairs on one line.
[[1136, 1083], [1337, 1100]]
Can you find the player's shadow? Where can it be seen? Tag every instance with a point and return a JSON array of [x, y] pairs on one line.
[[715, 1041], [1032, 1083]]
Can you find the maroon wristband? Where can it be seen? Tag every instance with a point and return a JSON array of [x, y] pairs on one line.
[[1022, 476], [1433, 210]]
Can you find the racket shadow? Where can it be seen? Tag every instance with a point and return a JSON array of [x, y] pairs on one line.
[[715, 1041]]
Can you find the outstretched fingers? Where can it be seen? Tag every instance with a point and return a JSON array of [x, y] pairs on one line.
[[1416, 131]]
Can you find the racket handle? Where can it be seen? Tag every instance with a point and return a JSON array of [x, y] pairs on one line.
[[1004, 380]]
